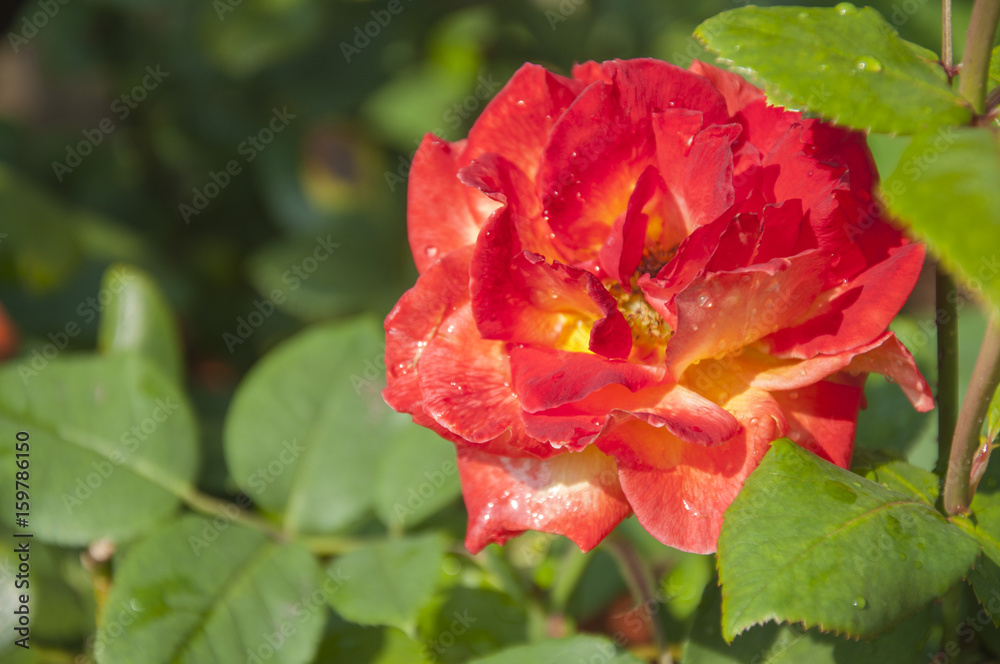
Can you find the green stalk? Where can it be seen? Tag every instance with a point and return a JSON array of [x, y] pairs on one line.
[[640, 581], [947, 59], [947, 356], [965, 443], [985, 377], [978, 47], [211, 506]]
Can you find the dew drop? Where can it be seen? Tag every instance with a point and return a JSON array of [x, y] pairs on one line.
[[793, 395], [703, 300], [868, 63], [846, 9], [431, 252], [839, 492], [520, 102], [860, 603]]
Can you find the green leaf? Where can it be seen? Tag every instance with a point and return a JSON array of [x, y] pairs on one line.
[[469, 622], [984, 525], [38, 244], [792, 644], [416, 476], [845, 63], [893, 472], [138, 319], [307, 427], [936, 171], [198, 591], [387, 583], [315, 278], [347, 642], [806, 541], [580, 648], [994, 68], [57, 611], [993, 418], [112, 445]]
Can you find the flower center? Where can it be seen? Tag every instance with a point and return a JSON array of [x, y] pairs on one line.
[[649, 330]]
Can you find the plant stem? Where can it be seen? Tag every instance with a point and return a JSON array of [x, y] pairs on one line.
[[985, 377], [978, 48], [330, 545], [640, 581], [947, 59], [211, 506], [947, 356]]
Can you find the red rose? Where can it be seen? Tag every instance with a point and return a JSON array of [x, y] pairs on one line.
[[632, 281]]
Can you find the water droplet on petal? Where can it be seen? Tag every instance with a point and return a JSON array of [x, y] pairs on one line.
[[860, 602], [703, 300], [846, 9]]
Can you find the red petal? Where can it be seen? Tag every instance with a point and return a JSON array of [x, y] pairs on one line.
[[735, 89], [517, 120], [822, 418], [622, 252], [690, 417], [603, 142], [438, 218], [857, 313], [696, 164], [518, 297], [546, 378], [465, 382], [886, 355], [413, 322], [680, 491], [726, 311], [575, 494], [891, 359], [8, 335]]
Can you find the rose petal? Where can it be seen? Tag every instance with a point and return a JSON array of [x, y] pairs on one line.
[[517, 121], [466, 387], [680, 491], [518, 297], [435, 223], [822, 418], [575, 494], [412, 323], [856, 314], [697, 166], [726, 311], [545, 378], [622, 252], [735, 89], [886, 355], [603, 142]]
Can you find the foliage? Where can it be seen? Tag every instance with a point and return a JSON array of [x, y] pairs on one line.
[[202, 230]]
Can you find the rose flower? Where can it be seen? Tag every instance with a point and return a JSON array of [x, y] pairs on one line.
[[631, 282]]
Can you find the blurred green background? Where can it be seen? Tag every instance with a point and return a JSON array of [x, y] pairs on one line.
[[219, 144]]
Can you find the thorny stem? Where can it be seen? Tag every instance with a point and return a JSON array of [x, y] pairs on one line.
[[985, 378], [947, 59], [965, 443], [978, 47], [640, 582], [947, 356]]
